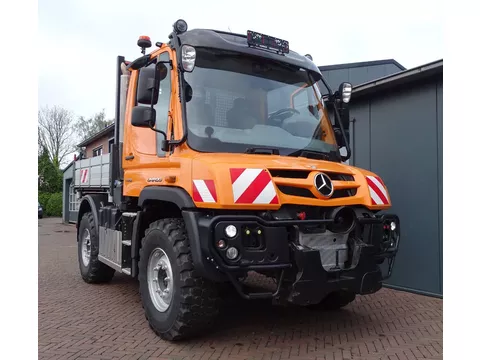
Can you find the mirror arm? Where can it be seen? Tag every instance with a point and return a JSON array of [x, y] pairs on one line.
[[342, 130], [159, 131], [332, 97]]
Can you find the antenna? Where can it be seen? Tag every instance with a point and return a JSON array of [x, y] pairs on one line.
[[229, 28]]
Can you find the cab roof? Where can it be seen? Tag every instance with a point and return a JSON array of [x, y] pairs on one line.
[[238, 42]]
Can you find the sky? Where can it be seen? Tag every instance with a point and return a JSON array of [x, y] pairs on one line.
[[79, 40]]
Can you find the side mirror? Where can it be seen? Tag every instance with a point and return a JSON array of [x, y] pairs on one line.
[[149, 83], [344, 95], [143, 116]]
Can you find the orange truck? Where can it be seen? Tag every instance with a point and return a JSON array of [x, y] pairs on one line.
[[225, 163]]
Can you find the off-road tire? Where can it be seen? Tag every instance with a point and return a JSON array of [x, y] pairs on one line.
[[96, 272], [335, 301], [195, 302]]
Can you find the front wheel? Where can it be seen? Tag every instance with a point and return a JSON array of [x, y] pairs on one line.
[[177, 302]]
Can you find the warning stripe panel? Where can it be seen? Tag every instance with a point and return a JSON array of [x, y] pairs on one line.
[[83, 176], [252, 186], [377, 190], [204, 191]]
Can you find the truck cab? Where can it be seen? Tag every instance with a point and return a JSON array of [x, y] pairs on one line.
[[226, 161]]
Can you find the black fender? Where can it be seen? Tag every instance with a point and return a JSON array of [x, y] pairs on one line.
[[183, 201], [93, 203], [173, 194]]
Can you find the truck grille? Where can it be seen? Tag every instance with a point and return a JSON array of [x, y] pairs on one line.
[[293, 190], [302, 192]]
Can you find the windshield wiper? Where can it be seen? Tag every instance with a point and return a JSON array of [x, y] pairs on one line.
[[317, 155], [262, 150]]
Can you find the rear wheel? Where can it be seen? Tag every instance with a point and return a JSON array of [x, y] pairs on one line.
[[91, 269], [334, 301], [177, 302]]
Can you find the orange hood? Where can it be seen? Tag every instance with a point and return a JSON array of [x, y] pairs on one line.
[[246, 181]]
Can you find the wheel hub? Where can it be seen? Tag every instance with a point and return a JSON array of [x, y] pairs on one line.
[[86, 247], [160, 279]]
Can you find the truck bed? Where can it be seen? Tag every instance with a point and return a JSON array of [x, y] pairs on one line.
[[92, 172]]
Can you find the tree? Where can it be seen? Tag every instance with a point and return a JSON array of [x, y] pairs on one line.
[[50, 178], [55, 130], [88, 127]]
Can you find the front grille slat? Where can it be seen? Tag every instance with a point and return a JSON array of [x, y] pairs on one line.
[[306, 193], [303, 174]]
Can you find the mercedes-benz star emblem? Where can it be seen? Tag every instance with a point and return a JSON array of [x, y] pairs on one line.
[[323, 184]]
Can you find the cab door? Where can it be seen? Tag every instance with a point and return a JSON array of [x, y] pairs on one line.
[[144, 161]]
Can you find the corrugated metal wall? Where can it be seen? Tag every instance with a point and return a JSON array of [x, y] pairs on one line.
[[398, 135]]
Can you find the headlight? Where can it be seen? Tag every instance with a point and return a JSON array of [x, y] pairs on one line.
[[188, 57], [232, 253], [231, 231]]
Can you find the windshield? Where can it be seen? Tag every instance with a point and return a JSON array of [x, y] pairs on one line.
[[236, 102]]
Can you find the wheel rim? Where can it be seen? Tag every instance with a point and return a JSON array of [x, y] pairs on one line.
[[86, 247], [160, 279]]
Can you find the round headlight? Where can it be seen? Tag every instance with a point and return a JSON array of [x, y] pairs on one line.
[[393, 226], [231, 231], [232, 253]]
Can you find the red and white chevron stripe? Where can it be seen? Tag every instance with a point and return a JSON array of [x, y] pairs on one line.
[[204, 191], [252, 186], [378, 193], [83, 176]]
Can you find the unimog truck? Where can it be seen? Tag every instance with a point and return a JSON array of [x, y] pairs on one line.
[[226, 162]]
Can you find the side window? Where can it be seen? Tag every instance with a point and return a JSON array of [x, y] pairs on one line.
[[163, 105]]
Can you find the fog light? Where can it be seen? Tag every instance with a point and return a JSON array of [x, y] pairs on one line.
[[221, 244], [232, 253], [393, 226], [231, 231]]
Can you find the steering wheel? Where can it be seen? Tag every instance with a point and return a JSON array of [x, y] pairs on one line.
[[281, 115]]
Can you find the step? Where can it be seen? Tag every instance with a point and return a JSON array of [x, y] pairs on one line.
[[127, 242], [127, 271]]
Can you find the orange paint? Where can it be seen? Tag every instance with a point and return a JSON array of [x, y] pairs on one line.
[[185, 165]]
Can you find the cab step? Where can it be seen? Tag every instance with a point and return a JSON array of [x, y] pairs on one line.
[[127, 271]]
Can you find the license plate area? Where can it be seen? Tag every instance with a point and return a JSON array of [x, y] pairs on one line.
[[333, 248]]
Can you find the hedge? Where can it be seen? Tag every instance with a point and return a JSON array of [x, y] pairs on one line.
[[54, 205], [43, 199]]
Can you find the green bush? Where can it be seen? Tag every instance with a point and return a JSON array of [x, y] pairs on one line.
[[43, 199], [54, 205]]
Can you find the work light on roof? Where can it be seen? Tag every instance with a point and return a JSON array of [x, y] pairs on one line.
[[180, 26], [188, 58]]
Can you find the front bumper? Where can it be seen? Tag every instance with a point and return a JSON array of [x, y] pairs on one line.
[[272, 246]]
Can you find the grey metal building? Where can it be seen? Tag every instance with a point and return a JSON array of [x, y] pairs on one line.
[[396, 132], [358, 73]]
